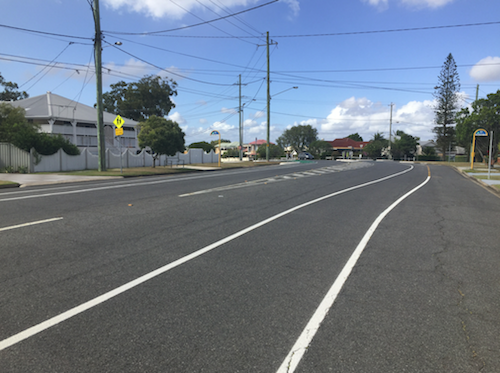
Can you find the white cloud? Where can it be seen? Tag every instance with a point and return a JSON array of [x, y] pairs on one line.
[[381, 4], [131, 67], [176, 117], [426, 3], [294, 6], [487, 72], [259, 114], [229, 110], [168, 9], [223, 127], [366, 118], [433, 4]]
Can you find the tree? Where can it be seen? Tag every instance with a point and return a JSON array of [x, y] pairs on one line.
[[485, 114], [202, 145], [355, 137], [141, 100], [162, 135], [319, 148], [374, 148], [404, 146], [15, 129], [275, 151], [10, 92], [216, 142], [298, 137], [446, 95]]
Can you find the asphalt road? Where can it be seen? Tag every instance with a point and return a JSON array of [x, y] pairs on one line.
[[223, 271]]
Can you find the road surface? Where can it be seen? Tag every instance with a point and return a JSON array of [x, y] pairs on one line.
[[319, 267]]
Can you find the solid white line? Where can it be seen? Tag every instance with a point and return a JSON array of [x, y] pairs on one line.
[[28, 224], [300, 347], [113, 293]]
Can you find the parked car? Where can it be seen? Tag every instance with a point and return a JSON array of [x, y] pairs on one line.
[[305, 155]]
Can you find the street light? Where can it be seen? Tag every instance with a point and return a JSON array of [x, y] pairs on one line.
[[269, 119], [242, 120]]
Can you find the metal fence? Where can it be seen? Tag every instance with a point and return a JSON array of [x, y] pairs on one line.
[[13, 159]]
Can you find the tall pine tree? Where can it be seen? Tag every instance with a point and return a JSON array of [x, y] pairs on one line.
[[446, 95]]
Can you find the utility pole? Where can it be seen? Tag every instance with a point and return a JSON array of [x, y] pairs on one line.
[[101, 144], [477, 92], [241, 127], [390, 133], [268, 99]]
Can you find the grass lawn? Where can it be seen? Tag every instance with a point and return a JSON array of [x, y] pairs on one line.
[[5, 182]]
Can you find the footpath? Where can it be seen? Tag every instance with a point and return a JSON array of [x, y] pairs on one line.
[[491, 179], [23, 180]]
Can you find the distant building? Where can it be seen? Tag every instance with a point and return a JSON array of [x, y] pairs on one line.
[[254, 145], [76, 122], [348, 147]]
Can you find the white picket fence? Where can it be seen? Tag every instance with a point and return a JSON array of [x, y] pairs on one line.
[[16, 159]]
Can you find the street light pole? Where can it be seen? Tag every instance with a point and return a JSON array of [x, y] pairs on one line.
[[241, 130], [101, 144], [390, 133], [268, 100]]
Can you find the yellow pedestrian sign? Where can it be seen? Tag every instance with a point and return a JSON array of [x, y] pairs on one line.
[[118, 131], [119, 122]]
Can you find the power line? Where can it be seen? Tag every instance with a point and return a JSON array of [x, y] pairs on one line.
[[46, 66], [45, 33], [191, 26], [215, 27], [228, 21], [166, 70], [320, 35]]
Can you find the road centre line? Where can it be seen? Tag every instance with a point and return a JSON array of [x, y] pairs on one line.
[[277, 178], [302, 344], [28, 224], [27, 333]]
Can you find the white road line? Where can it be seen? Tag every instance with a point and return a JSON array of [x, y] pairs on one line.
[[28, 224], [113, 293], [301, 345], [105, 186]]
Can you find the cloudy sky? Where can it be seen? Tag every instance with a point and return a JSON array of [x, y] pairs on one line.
[[350, 59]]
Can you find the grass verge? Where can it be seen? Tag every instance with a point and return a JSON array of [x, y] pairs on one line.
[[165, 170]]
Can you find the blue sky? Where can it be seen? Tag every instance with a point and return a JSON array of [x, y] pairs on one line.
[[345, 57]]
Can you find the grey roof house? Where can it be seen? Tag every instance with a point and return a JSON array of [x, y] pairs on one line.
[[76, 122]]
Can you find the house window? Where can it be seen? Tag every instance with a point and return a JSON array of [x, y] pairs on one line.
[[62, 123], [86, 125]]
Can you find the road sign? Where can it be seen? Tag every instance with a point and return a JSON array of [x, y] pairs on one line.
[[118, 131], [119, 122]]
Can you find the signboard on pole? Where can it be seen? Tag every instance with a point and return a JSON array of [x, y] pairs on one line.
[[118, 122], [118, 131], [478, 132]]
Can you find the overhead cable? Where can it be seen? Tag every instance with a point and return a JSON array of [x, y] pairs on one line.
[[191, 26]]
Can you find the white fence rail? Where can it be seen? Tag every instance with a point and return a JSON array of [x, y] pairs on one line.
[[14, 158]]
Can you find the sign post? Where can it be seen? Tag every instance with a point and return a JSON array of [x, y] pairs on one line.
[[479, 132], [118, 122]]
